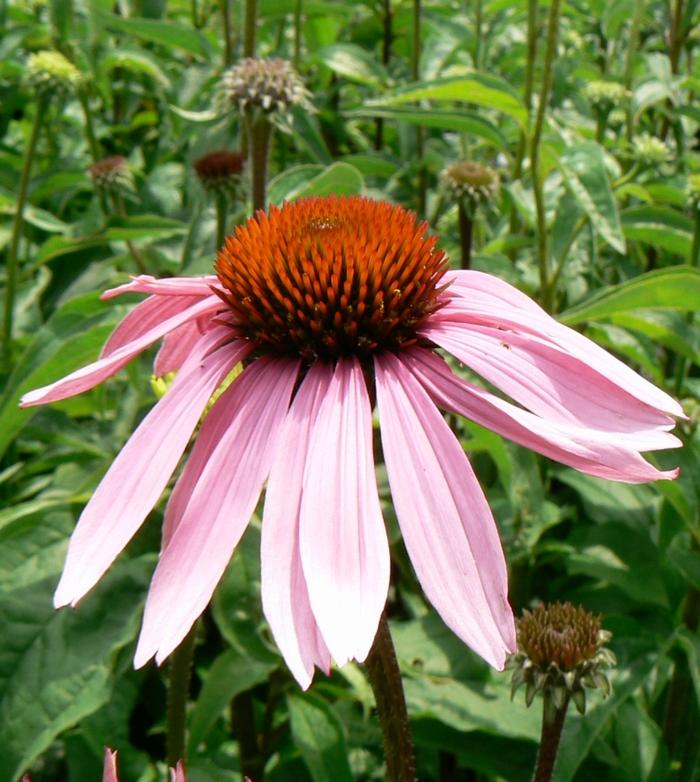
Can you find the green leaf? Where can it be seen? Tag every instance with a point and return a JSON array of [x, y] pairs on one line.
[[143, 227], [676, 288], [458, 121], [174, 36], [354, 63], [337, 179], [72, 337], [585, 174], [487, 91], [230, 674], [318, 733], [660, 226]]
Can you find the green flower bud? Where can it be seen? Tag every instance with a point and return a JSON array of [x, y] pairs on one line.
[[50, 73]]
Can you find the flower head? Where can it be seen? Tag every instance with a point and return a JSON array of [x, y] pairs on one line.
[[50, 72], [471, 181], [650, 150], [330, 304], [268, 85], [561, 650], [112, 175], [605, 94], [220, 172]]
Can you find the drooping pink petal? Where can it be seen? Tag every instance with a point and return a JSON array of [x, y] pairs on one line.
[[109, 773], [143, 467], [479, 298], [145, 316], [93, 374], [445, 520], [285, 596], [343, 543], [584, 449], [176, 347], [177, 774], [166, 286], [221, 504], [547, 380]]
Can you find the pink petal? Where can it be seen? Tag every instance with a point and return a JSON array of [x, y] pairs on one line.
[[586, 450], [110, 768], [548, 381], [143, 317], [95, 373], [476, 297], [285, 596], [142, 469], [177, 774], [343, 543], [167, 286], [446, 523], [176, 347], [220, 505]]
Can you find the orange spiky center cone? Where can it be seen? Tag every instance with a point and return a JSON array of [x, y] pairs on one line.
[[327, 277]]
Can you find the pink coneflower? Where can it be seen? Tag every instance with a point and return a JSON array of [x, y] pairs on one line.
[[330, 304], [109, 774]]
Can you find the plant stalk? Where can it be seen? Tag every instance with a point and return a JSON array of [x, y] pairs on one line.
[[632, 45], [387, 21], [192, 234], [550, 737], [298, 8], [385, 679], [537, 182], [178, 692], [249, 27], [421, 190], [228, 38], [259, 134], [221, 213], [466, 227], [12, 256]]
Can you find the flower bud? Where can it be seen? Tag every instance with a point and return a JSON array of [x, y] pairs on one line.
[[220, 172], [472, 182], [50, 73], [112, 176]]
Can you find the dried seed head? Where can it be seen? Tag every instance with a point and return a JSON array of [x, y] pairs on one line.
[[50, 73], [473, 182], [327, 277], [112, 175], [271, 86], [220, 172], [561, 650]]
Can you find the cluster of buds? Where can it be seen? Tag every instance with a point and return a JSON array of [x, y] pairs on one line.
[[561, 650], [649, 150], [268, 85], [219, 172], [470, 183], [605, 95], [50, 74], [112, 176]]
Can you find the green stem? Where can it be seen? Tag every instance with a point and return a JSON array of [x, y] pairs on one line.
[[552, 725], [249, 27], [387, 23], [243, 724], [194, 12], [465, 235], [120, 210], [421, 191], [537, 183], [298, 7], [259, 133], [632, 45], [12, 256], [221, 212], [226, 20], [385, 679], [89, 128], [178, 692], [477, 33], [191, 238]]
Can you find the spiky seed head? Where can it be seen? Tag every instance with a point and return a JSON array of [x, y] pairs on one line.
[[50, 73], [561, 650], [605, 94], [268, 85], [220, 172], [649, 150], [112, 175], [469, 181]]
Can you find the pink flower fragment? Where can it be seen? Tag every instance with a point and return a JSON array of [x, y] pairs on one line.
[[332, 304], [109, 773]]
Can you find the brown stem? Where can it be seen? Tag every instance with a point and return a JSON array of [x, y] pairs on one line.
[[228, 38], [385, 678], [552, 725], [178, 692], [259, 133]]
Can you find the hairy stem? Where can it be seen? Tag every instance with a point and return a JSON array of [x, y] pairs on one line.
[[385, 678], [12, 256], [552, 725], [178, 692], [259, 134], [537, 182]]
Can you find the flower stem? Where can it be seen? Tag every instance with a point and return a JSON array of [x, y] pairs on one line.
[[465, 235], [552, 724], [191, 237], [632, 45], [385, 678], [537, 183], [421, 190], [477, 34], [178, 692], [250, 23], [387, 22], [298, 7], [259, 133], [12, 256], [226, 20], [89, 128], [221, 211], [135, 253]]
